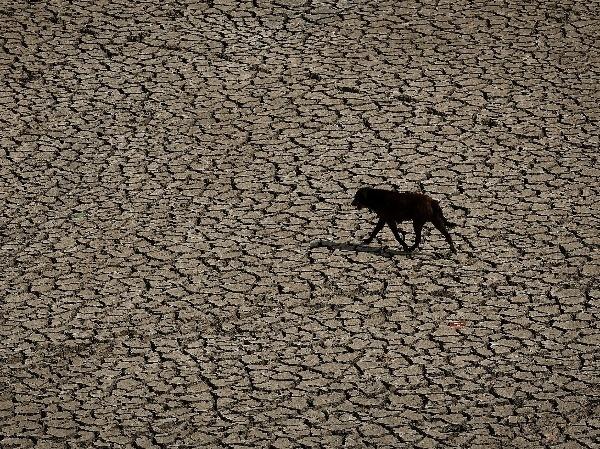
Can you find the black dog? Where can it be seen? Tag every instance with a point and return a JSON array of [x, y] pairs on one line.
[[395, 207]]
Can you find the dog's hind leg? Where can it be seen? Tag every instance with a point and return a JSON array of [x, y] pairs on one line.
[[396, 233], [418, 227], [378, 227], [440, 225]]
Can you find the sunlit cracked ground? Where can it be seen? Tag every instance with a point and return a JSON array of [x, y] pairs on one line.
[[177, 243]]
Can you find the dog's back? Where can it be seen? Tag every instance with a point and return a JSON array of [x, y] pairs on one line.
[[403, 206]]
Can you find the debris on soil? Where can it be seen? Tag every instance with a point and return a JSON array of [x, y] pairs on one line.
[[456, 324]]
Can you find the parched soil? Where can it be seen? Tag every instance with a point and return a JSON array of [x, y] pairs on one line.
[[179, 264]]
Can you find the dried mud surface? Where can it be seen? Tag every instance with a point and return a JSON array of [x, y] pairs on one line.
[[179, 258]]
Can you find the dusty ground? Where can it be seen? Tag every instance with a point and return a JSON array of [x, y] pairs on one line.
[[176, 236]]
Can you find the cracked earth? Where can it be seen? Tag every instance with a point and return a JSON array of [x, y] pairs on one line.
[[179, 258]]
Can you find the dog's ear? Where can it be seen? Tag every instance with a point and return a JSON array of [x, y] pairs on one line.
[[360, 198]]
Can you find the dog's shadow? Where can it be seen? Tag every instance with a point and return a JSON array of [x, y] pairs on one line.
[[359, 247]]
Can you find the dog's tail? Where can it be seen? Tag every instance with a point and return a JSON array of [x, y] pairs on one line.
[[437, 210]]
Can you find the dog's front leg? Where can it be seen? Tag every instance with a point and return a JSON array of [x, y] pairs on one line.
[[378, 227], [396, 233]]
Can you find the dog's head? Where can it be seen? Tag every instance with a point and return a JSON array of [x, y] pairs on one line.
[[361, 199]]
